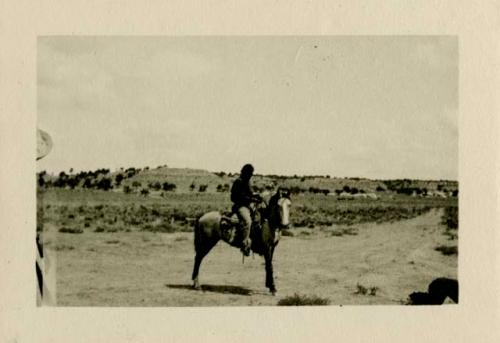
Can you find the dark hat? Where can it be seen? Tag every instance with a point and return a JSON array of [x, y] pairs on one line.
[[247, 169]]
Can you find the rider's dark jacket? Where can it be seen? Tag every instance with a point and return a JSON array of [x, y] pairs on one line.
[[241, 193]]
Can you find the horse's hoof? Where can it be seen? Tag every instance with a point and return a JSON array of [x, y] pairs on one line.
[[196, 286], [273, 291]]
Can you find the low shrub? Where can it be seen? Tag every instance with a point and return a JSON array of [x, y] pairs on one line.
[[350, 231], [303, 300], [450, 217], [70, 230], [164, 227], [360, 289], [451, 235], [447, 250], [63, 247]]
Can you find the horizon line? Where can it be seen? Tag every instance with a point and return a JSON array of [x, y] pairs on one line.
[[294, 175]]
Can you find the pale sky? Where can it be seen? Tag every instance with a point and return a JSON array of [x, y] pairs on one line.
[[376, 107]]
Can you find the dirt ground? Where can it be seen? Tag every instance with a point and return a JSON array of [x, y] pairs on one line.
[[154, 269]]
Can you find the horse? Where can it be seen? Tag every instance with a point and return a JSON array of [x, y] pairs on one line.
[[268, 221]]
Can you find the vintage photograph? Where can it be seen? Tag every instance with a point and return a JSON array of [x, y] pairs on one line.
[[247, 170]]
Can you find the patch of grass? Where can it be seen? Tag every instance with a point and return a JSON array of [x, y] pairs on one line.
[[303, 300], [450, 217], [113, 241], [63, 247], [287, 233], [180, 239], [373, 291], [178, 213], [350, 231], [362, 290], [161, 244], [447, 250], [70, 230], [326, 213], [451, 235], [345, 231], [108, 228], [450, 221]]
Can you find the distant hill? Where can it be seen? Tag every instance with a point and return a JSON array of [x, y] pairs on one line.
[[183, 178], [186, 180]]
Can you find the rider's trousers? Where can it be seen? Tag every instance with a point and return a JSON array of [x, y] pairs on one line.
[[246, 221]]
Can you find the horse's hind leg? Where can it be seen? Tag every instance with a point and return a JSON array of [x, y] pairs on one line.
[[200, 254]]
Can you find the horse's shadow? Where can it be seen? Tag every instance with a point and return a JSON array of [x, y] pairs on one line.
[[223, 289]]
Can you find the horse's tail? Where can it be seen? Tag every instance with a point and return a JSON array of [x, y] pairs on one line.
[[197, 235]]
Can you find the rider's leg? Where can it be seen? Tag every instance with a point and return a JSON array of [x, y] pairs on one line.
[[246, 222]]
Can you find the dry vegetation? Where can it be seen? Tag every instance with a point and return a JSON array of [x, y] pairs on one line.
[[450, 221], [169, 199], [303, 300], [75, 211]]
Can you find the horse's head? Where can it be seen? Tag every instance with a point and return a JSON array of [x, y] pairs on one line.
[[279, 209]]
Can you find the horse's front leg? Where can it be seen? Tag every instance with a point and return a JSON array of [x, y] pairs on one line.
[[269, 272], [197, 262]]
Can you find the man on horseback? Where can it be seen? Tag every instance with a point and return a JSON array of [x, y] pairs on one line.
[[252, 212], [242, 198]]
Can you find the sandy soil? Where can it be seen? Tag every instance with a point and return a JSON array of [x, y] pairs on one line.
[[154, 269]]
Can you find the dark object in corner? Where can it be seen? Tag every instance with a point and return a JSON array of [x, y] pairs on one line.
[[438, 290]]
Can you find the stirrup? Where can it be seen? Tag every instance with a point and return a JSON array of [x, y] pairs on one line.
[[245, 251]]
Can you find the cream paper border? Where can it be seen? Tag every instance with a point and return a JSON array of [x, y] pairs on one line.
[[474, 319]]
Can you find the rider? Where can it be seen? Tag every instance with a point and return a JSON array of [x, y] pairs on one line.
[[242, 197]]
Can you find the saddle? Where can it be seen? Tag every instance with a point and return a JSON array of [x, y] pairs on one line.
[[230, 231]]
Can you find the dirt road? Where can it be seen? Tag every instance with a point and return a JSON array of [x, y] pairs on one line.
[[153, 269]]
